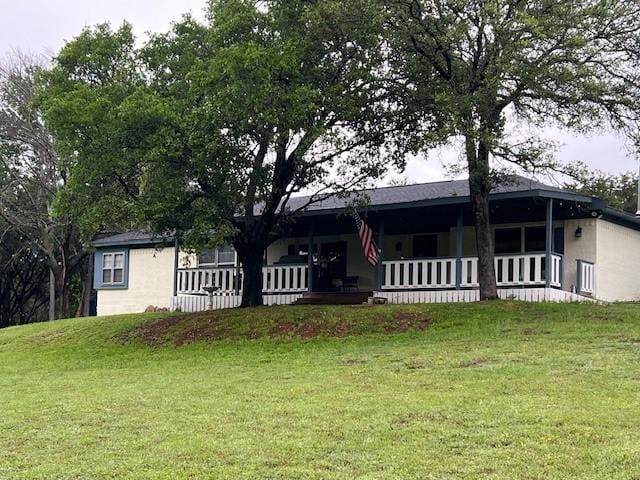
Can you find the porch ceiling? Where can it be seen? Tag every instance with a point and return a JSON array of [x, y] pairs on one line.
[[432, 219]]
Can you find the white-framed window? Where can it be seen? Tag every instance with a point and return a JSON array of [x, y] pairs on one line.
[[113, 268], [219, 257], [515, 239]]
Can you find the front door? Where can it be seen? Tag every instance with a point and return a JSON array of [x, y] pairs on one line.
[[330, 266]]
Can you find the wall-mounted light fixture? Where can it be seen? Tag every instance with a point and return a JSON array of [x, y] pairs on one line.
[[578, 233]]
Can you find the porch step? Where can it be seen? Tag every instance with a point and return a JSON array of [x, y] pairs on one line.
[[334, 298]]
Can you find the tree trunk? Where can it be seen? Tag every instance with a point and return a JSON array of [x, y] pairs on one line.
[[52, 295], [251, 258], [87, 283], [58, 294], [479, 189]]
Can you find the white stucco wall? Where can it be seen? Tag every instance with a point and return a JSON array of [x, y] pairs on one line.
[[617, 262], [583, 248], [150, 283]]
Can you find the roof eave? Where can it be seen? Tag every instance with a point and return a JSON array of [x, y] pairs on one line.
[[460, 200], [621, 217], [165, 241]]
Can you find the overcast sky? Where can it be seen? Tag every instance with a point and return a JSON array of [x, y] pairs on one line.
[[44, 26]]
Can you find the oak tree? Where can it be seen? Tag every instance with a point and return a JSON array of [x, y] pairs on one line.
[[210, 129], [491, 65]]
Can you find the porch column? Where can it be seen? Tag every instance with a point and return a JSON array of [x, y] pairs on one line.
[[310, 259], [459, 231], [549, 241], [176, 257], [380, 266]]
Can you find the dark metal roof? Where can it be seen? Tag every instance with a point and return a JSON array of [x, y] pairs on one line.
[[408, 196], [421, 192], [132, 238]]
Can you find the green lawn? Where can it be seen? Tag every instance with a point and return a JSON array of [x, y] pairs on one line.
[[505, 390]]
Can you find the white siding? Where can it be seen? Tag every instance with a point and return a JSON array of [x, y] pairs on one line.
[[150, 283], [617, 262], [583, 248]]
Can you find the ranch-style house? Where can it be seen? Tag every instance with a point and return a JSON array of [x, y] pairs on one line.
[[550, 244]]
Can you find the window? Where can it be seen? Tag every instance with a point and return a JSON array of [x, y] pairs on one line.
[[535, 239], [113, 268], [208, 257], [508, 240], [425, 246], [526, 239], [225, 255]]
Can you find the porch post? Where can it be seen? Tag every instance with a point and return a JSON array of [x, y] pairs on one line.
[[549, 242], [310, 259], [380, 266], [459, 231], [176, 257]]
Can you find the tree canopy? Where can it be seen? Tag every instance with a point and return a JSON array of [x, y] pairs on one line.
[[31, 174], [490, 66], [212, 127], [619, 190]]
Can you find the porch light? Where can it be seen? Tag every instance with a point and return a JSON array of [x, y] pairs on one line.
[[578, 233]]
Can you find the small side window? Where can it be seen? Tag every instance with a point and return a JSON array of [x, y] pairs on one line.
[[113, 268]]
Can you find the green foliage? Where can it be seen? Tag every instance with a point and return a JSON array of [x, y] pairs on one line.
[[490, 65], [620, 191], [497, 390], [211, 121]]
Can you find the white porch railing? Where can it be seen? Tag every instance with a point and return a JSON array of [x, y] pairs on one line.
[[432, 273], [284, 278], [228, 280], [194, 280], [586, 278], [511, 270]]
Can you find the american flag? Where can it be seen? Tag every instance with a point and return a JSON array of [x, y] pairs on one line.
[[368, 244]]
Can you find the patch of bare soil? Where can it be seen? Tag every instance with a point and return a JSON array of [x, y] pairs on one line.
[[311, 329], [405, 321], [153, 333], [185, 329], [399, 322], [205, 330]]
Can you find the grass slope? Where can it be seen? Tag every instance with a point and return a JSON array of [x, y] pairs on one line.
[[497, 391]]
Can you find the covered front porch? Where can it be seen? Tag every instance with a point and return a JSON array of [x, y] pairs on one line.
[[423, 248]]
